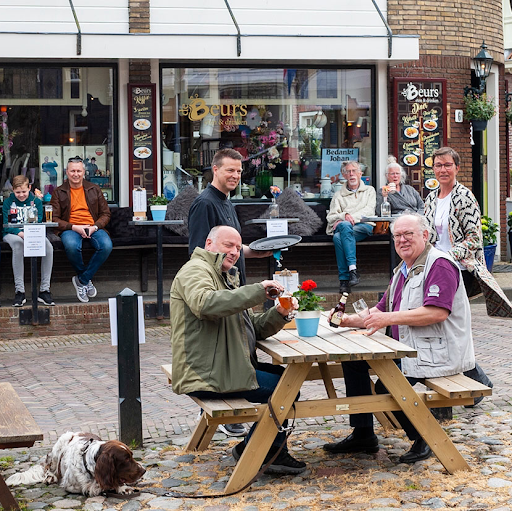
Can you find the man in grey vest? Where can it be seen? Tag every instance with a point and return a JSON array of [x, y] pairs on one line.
[[427, 308]]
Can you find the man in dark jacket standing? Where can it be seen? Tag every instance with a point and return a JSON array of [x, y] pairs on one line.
[[82, 213]]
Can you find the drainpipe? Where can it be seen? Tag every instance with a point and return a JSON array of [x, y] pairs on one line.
[[238, 39], [390, 33]]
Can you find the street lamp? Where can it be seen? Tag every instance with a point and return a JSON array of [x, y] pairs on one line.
[[482, 63]]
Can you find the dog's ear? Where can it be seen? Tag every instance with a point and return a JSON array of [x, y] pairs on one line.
[[105, 472]]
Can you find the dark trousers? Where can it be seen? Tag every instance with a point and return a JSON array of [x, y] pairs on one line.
[[358, 383]]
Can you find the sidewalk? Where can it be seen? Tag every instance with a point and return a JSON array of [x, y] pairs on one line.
[[70, 383]]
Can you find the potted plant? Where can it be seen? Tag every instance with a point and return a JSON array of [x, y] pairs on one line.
[[508, 114], [479, 109], [308, 316], [158, 206], [489, 230]]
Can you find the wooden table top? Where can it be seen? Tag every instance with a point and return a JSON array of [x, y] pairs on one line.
[[17, 426], [333, 344]]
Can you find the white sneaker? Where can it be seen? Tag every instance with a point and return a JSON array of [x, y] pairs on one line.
[[81, 290], [91, 290], [233, 429]]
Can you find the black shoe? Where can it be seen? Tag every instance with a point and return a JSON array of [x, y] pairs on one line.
[[233, 429], [19, 300], [344, 287], [238, 450], [354, 278], [46, 298], [369, 445], [419, 451], [285, 463]]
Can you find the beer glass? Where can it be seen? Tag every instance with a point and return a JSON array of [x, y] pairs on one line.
[[48, 213]]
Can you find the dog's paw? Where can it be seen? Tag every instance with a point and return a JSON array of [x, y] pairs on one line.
[[50, 478], [125, 490]]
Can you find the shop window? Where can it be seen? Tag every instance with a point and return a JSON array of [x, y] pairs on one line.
[[51, 114], [293, 127]]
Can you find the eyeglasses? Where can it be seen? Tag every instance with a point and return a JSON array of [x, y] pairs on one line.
[[75, 159], [351, 171], [407, 236], [393, 173], [447, 166]]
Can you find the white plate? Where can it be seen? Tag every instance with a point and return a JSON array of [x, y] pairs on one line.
[[432, 183], [142, 152], [411, 132], [430, 125], [142, 124], [410, 159]]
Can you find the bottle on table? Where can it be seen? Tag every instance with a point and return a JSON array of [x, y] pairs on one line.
[[339, 310], [32, 213], [13, 214], [385, 208]]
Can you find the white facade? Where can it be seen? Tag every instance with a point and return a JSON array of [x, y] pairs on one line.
[[332, 32]]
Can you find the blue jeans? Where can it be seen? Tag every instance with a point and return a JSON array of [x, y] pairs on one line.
[[100, 242], [267, 376], [344, 239]]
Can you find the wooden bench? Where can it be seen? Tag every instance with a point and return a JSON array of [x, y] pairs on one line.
[[215, 412], [458, 386], [17, 429]]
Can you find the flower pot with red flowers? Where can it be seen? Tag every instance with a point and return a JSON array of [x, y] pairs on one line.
[[308, 316]]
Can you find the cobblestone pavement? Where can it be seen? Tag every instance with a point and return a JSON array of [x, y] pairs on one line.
[[70, 383]]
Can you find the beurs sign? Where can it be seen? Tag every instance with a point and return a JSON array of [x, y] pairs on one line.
[[197, 109], [411, 93]]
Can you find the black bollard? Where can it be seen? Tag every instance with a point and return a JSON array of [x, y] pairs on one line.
[[128, 364]]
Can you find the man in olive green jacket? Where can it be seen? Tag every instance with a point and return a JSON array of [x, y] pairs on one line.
[[214, 333]]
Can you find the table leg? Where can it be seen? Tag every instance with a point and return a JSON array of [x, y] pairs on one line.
[[282, 400], [6, 499], [326, 377], [159, 273], [418, 413], [33, 277]]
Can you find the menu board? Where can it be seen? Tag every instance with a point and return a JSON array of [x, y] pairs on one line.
[[420, 128], [143, 130]]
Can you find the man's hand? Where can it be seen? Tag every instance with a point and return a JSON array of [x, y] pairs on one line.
[[348, 218], [270, 284], [286, 312], [255, 254], [85, 230], [348, 320], [376, 320]]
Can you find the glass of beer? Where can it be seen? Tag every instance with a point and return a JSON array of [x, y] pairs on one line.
[[48, 213], [286, 300]]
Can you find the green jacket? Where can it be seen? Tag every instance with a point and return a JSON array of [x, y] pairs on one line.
[[7, 208], [210, 349]]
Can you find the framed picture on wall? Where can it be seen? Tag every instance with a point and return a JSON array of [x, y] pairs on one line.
[[50, 168], [95, 161]]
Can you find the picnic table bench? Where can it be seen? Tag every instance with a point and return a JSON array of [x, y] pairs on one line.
[[17, 429]]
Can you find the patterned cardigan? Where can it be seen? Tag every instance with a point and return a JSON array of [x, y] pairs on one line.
[[464, 226]]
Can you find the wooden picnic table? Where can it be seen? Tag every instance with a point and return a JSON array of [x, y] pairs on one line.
[[17, 429], [329, 348]]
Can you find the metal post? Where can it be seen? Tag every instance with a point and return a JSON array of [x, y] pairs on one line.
[[159, 273], [128, 363], [33, 276]]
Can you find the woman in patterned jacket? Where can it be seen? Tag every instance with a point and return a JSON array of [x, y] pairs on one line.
[[453, 214]]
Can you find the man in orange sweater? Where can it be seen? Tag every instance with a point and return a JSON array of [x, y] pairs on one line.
[[82, 213]]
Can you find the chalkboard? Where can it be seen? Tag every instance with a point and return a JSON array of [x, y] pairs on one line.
[[420, 128]]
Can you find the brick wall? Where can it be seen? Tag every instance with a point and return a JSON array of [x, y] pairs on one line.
[[451, 33], [140, 70]]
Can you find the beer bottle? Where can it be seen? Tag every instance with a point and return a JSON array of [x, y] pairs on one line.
[[339, 310]]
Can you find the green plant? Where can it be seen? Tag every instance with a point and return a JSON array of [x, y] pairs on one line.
[[308, 301], [508, 114], [489, 230], [479, 107], [158, 200]]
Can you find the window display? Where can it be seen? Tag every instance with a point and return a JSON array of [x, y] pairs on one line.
[[56, 113], [293, 127]]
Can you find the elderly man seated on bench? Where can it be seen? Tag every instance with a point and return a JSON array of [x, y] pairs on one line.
[[214, 333], [427, 308]]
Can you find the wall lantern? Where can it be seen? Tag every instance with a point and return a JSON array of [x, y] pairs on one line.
[[482, 63]]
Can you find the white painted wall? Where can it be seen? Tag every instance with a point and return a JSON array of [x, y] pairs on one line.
[[94, 16], [328, 17]]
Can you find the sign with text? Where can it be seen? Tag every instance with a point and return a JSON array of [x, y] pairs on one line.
[[333, 158], [420, 127], [143, 134], [34, 240], [277, 228]]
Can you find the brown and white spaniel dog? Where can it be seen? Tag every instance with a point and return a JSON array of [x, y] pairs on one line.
[[83, 463]]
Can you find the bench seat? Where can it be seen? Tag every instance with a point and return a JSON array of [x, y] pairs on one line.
[[458, 386]]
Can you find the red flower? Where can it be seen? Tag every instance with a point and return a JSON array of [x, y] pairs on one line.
[[308, 285]]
